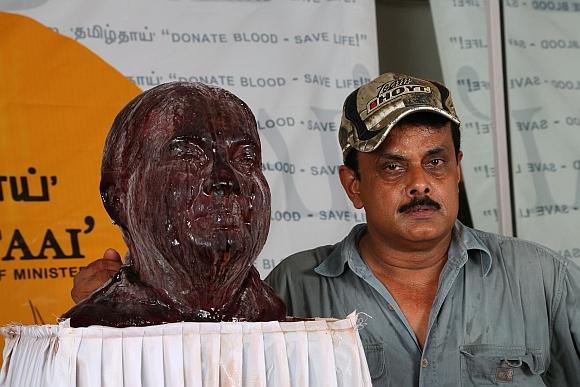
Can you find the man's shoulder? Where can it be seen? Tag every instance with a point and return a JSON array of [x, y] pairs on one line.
[[506, 247], [302, 262], [304, 291]]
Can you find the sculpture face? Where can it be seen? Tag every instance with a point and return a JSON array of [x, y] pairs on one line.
[[196, 193]]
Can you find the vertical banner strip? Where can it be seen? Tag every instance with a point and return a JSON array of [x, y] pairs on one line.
[[542, 53], [498, 118]]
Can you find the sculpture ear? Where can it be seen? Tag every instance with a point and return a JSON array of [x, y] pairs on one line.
[[114, 199]]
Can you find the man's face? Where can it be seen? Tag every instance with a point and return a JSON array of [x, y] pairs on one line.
[[199, 192], [409, 185]]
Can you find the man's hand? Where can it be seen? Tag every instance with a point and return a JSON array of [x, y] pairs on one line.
[[95, 274]]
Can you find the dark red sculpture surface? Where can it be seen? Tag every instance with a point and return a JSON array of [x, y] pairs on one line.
[[181, 176]]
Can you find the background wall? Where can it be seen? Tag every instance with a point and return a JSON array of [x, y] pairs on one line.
[[406, 38]]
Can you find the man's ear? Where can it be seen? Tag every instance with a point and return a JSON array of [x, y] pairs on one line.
[[459, 158], [114, 200], [351, 184]]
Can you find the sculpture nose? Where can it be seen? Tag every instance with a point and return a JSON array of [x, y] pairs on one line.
[[222, 179]]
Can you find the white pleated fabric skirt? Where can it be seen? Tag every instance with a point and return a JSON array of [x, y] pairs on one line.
[[322, 352]]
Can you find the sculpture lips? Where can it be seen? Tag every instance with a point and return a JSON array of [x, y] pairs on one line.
[[225, 219], [226, 214]]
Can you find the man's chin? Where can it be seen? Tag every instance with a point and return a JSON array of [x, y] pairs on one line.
[[422, 230]]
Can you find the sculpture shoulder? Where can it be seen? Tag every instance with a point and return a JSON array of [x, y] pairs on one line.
[[259, 302], [124, 301]]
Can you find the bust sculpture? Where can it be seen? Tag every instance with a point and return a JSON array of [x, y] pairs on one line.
[[181, 176]]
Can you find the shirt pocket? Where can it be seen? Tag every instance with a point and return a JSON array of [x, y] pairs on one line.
[[494, 365], [376, 360]]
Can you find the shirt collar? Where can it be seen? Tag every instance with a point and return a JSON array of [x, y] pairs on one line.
[[464, 239], [344, 252]]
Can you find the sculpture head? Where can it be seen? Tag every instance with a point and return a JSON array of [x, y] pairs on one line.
[[181, 175]]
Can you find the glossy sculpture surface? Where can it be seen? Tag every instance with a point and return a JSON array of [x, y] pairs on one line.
[[181, 176]]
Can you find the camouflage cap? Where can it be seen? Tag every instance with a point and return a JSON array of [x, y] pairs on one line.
[[371, 111]]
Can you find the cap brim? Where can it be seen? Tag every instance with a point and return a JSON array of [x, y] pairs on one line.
[[393, 119]]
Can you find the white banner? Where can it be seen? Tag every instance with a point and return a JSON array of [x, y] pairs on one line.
[[543, 55], [321, 352], [460, 29], [292, 61]]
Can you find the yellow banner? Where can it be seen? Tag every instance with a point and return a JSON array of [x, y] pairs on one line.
[[57, 102]]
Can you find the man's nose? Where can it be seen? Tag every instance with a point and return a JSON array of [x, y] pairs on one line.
[[419, 184], [222, 179]]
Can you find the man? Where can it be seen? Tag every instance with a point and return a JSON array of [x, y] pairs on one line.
[[181, 177], [447, 305]]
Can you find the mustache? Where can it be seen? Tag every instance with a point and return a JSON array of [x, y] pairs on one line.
[[424, 201]]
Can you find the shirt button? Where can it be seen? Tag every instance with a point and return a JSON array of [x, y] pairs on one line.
[[424, 363], [390, 307]]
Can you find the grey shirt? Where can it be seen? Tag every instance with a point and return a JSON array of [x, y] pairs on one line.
[[507, 312]]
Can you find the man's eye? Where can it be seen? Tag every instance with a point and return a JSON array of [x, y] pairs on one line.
[[436, 162], [392, 167]]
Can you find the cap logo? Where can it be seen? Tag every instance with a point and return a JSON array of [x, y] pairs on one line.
[[391, 90]]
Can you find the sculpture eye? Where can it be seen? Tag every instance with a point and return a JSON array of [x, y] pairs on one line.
[[245, 158], [187, 150]]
